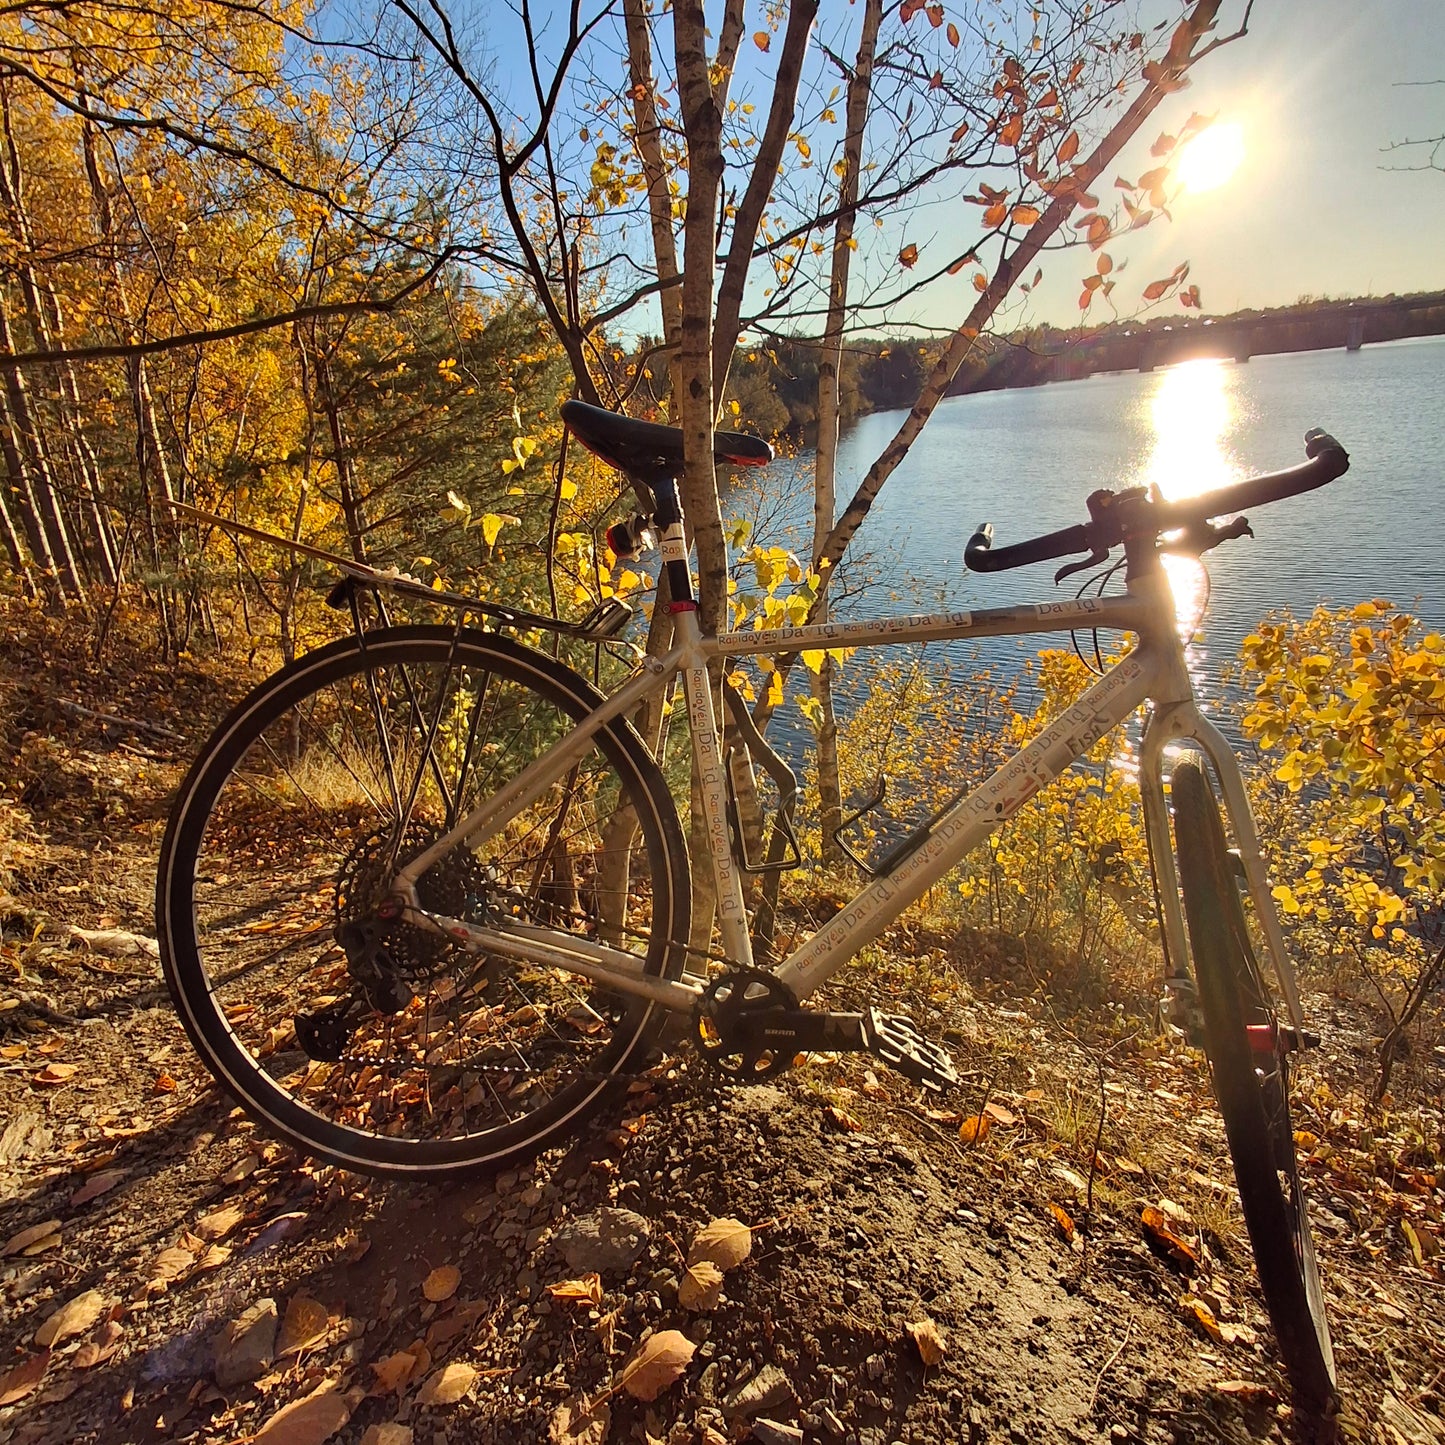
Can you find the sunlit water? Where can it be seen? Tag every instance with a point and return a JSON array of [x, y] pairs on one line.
[[1025, 460]]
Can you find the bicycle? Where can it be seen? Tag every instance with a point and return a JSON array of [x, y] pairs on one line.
[[424, 898]]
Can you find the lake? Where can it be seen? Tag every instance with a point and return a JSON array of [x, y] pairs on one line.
[[1025, 460]]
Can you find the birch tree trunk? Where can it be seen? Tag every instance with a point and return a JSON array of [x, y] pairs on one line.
[[860, 85]]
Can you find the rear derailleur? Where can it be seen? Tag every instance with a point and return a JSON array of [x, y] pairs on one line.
[[748, 1026], [377, 984]]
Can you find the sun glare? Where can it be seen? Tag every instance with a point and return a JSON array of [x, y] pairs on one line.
[[1212, 157]]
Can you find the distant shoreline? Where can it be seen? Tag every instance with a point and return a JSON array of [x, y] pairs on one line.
[[1046, 354]]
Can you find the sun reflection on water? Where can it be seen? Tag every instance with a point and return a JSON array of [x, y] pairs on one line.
[[1191, 410]]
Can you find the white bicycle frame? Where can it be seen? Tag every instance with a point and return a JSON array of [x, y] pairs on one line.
[[1153, 671]]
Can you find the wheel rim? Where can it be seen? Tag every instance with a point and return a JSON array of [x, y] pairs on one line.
[[287, 840]]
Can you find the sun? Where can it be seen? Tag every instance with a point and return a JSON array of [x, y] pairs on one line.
[[1211, 158]]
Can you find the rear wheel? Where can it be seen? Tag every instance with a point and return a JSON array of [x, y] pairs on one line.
[[381, 1045], [1249, 1063]]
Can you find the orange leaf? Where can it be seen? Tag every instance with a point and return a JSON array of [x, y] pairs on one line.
[[996, 214], [935, 15], [762, 40], [661, 1360], [1069, 147], [953, 36], [1163, 145], [1062, 1219], [1178, 1251], [1155, 289], [1085, 202], [1075, 71], [959, 265], [441, 1284], [959, 134], [1085, 299], [908, 256], [980, 281], [1097, 231], [974, 1128], [1106, 263], [1012, 131], [1156, 177], [1026, 215]]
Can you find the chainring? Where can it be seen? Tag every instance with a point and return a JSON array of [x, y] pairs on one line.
[[723, 1024]]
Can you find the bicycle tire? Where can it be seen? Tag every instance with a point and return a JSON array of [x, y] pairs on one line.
[[1251, 1085], [280, 832]]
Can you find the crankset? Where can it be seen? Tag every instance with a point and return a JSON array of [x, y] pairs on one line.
[[747, 1026]]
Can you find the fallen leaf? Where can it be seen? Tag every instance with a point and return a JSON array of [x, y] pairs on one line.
[[213, 1257], [54, 1074], [842, 1119], [1250, 1391], [168, 1266], [305, 1322], [1063, 1219], [606, 1329], [658, 1363], [308, 1421], [72, 1318], [441, 1284], [974, 1128], [724, 1242], [929, 1339], [389, 1433], [1199, 1314], [242, 1169], [450, 1383], [99, 1348], [701, 1286], [97, 1185], [391, 1373], [1178, 1251], [17, 1382], [17, 1243], [999, 1114], [164, 1084], [587, 1290], [577, 1423], [220, 1222]]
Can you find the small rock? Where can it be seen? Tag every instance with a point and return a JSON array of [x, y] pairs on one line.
[[608, 1242], [876, 1367], [831, 1423], [769, 1387], [247, 1345], [772, 1432]]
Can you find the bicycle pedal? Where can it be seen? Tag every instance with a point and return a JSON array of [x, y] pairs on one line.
[[896, 1040]]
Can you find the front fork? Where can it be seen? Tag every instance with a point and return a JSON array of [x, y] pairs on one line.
[[1177, 722]]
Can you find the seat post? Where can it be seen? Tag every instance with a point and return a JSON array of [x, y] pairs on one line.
[[672, 543]]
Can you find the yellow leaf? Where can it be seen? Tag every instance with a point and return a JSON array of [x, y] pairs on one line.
[[492, 525], [929, 1339]]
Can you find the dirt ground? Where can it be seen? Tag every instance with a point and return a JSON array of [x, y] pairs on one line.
[[156, 1239]]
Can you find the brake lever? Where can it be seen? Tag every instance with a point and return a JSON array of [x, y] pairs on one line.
[[1196, 541], [1092, 560]]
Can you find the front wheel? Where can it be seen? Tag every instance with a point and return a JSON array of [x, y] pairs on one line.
[[1248, 1061], [380, 1045]]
